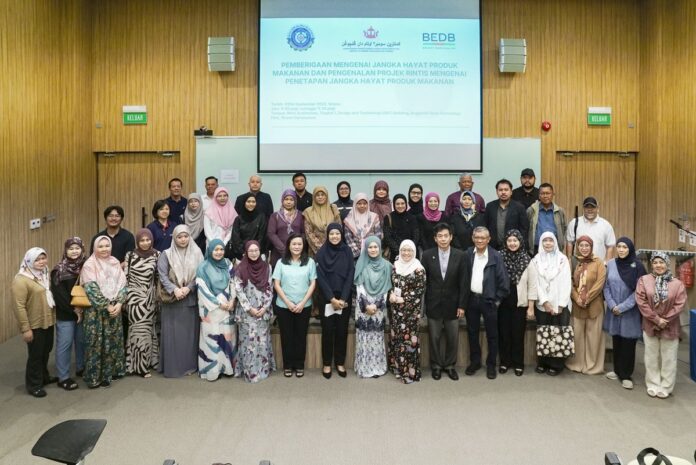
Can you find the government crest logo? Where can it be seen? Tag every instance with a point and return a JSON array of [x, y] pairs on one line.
[[300, 38]]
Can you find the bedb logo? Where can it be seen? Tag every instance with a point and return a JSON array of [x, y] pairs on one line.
[[438, 37]]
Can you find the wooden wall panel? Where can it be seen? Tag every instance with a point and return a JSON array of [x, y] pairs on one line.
[[45, 136], [665, 172]]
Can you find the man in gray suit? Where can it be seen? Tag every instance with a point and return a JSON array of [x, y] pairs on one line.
[[447, 291]]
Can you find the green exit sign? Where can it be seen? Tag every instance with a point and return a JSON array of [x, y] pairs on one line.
[[599, 116], [134, 114]]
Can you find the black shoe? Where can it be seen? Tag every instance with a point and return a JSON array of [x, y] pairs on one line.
[[325, 374], [472, 369], [503, 369], [490, 373], [452, 373], [540, 369], [341, 373], [552, 372], [68, 384], [519, 371], [437, 374], [38, 392]]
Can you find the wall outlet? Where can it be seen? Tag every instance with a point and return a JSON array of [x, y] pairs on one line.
[[35, 223]]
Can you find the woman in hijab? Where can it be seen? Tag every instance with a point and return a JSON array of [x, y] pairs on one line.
[[35, 311], [344, 203], [512, 311], [318, 217], [661, 298], [373, 282], [360, 224], [415, 199], [283, 223], [194, 216], [428, 219], [408, 287], [399, 226], [622, 317], [216, 297], [380, 202], [162, 226], [252, 283], [294, 280], [219, 217], [105, 285], [69, 331], [589, 277], [250, 225], [465, 221], [141, 278], [177, 267], [335, 269], [551, 272]]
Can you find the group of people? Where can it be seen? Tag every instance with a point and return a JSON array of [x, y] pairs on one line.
[[199, 288]]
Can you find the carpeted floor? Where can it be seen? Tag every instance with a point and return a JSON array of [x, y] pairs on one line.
[[534, 419]]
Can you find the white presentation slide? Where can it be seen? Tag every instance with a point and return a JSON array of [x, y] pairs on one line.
[[369, 94]]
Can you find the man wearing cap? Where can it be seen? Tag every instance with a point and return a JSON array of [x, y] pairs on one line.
[[545, 216], [453, 202], [592, 225], [526, 194]]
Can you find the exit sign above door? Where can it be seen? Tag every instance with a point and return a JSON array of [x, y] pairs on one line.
[[134, 114], [599, 116]]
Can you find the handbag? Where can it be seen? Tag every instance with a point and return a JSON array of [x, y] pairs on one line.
[[162, 295], [78, 296], [556, 340]]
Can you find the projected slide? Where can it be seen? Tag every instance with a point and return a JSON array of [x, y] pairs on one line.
[[369, 94]]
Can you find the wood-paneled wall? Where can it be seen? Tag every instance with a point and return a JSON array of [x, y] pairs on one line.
[[45, 132], [633, 55], [666, 167]]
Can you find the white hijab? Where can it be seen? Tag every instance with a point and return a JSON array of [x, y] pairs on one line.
[[184, 261], [549, 264], [26, 268], [405, 268]]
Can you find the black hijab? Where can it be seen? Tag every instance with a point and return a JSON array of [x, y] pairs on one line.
[[246, 215], [403, 224], [343, 200], [335, 262], [630, 268], [415, 207]]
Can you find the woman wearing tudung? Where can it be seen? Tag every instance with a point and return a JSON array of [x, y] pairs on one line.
[[373, 282], [360, 224], [286, 221], [589, 277], [105, 285], [194, 217], [408, 281], [318, 217], [35, 311], [141, 278], [216, 297], [177, 267], [252, 283], [250, 225]]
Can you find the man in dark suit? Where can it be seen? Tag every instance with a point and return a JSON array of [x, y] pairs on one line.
[[505, 214], [446, 293], [264, 203], [488, 286]]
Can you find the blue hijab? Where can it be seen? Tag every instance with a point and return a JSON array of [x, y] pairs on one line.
[[373, 273], [215, 273]]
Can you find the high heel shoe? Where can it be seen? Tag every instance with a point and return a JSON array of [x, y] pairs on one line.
[[342, 373], [326, 374]]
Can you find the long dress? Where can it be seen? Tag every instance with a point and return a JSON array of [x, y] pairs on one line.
[[104, 353], [370, 353], [217, 346], [404, 342], [143, 348], [255, 358]]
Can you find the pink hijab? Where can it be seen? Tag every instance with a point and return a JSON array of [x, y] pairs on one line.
[[432, 215], [222, 215], [106, 272]]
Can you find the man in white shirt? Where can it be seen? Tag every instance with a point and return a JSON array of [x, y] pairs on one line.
[[211, 183], [592, 225], [489, 286]]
